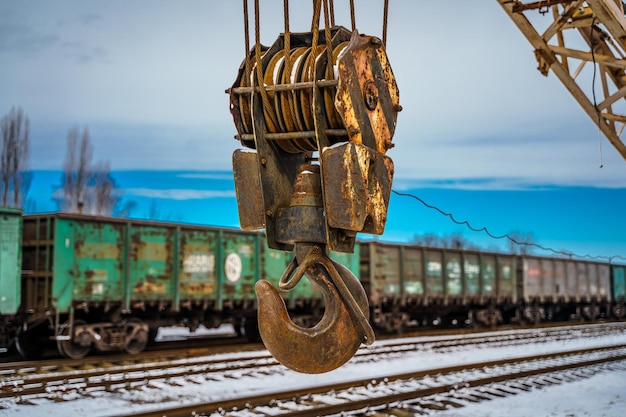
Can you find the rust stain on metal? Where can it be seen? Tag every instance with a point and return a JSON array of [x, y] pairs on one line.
[[149, 286], [97, 250], [248, 189], [367, 87], [359, 181], [197, 288]]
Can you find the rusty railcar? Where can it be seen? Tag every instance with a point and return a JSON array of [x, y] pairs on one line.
[[411, 285], [105, 283], [558, 289]]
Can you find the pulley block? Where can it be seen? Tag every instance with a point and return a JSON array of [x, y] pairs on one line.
[[339, 94]]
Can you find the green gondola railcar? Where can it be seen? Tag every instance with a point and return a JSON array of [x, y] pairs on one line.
[[110, 283], [10, 269]]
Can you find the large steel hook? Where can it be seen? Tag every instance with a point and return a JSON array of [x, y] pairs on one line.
[[338, 335]]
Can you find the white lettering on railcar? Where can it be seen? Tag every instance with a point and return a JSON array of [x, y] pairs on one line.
[[97, 289], [199, 263], [433, 267]]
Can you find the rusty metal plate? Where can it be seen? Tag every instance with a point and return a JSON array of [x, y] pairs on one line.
[[357, 185], [248, 190], [367, 94]]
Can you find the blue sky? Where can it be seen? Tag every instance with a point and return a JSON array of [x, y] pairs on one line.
[[479, 125]]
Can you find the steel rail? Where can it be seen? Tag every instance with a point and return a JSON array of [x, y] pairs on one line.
[[272, 400]]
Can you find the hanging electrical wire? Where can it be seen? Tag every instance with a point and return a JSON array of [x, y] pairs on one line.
[[507, 236]]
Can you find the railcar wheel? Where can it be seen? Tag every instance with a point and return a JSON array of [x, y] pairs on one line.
[[251, 330], [238, 326], [74, 349], [136, 336], [32, 343]]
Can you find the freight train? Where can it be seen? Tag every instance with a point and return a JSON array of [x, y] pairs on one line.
[[87, 283]]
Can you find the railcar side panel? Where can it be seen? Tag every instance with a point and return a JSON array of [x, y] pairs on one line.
[[10, 259], [385, 269], [488, 272], [197, 278], [531, 277], [571, 281], [604, 282], [453, 275], [560, 286], [619, 282], [471, 275], [413, 284], [548, 285], [583, 282], [592, 275], [240, 267], [433, 265], [151, 265], [92, 259], [506, 279]]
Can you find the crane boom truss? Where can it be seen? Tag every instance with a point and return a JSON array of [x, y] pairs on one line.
[[579, 33]]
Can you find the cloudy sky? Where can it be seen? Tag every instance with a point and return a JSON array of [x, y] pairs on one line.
[[148, 79]]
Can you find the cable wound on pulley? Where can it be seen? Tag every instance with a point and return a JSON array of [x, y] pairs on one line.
[[288, 81]]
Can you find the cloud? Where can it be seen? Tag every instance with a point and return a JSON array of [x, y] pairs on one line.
[[501, 183], [178, 194], [21, 38], [208, 176], [82, 54], [89, 18]]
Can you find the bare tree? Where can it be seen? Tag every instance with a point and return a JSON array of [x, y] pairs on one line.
[[85, 188], [76, 172], [427, 239], [15, 176], [104, 189], [521, 243], [451, 241]]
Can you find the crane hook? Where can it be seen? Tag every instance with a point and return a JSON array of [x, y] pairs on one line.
[[338, 335]]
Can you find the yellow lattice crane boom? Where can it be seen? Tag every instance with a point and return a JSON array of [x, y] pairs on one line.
[[571, 35]]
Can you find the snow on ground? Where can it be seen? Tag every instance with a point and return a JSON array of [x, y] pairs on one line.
[[602, 395]]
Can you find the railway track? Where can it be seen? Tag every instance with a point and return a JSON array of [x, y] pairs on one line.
[[30, 383], [104, 372], [414, 393]]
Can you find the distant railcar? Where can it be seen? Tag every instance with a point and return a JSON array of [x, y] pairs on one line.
[[557, 289], [411, 285]]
